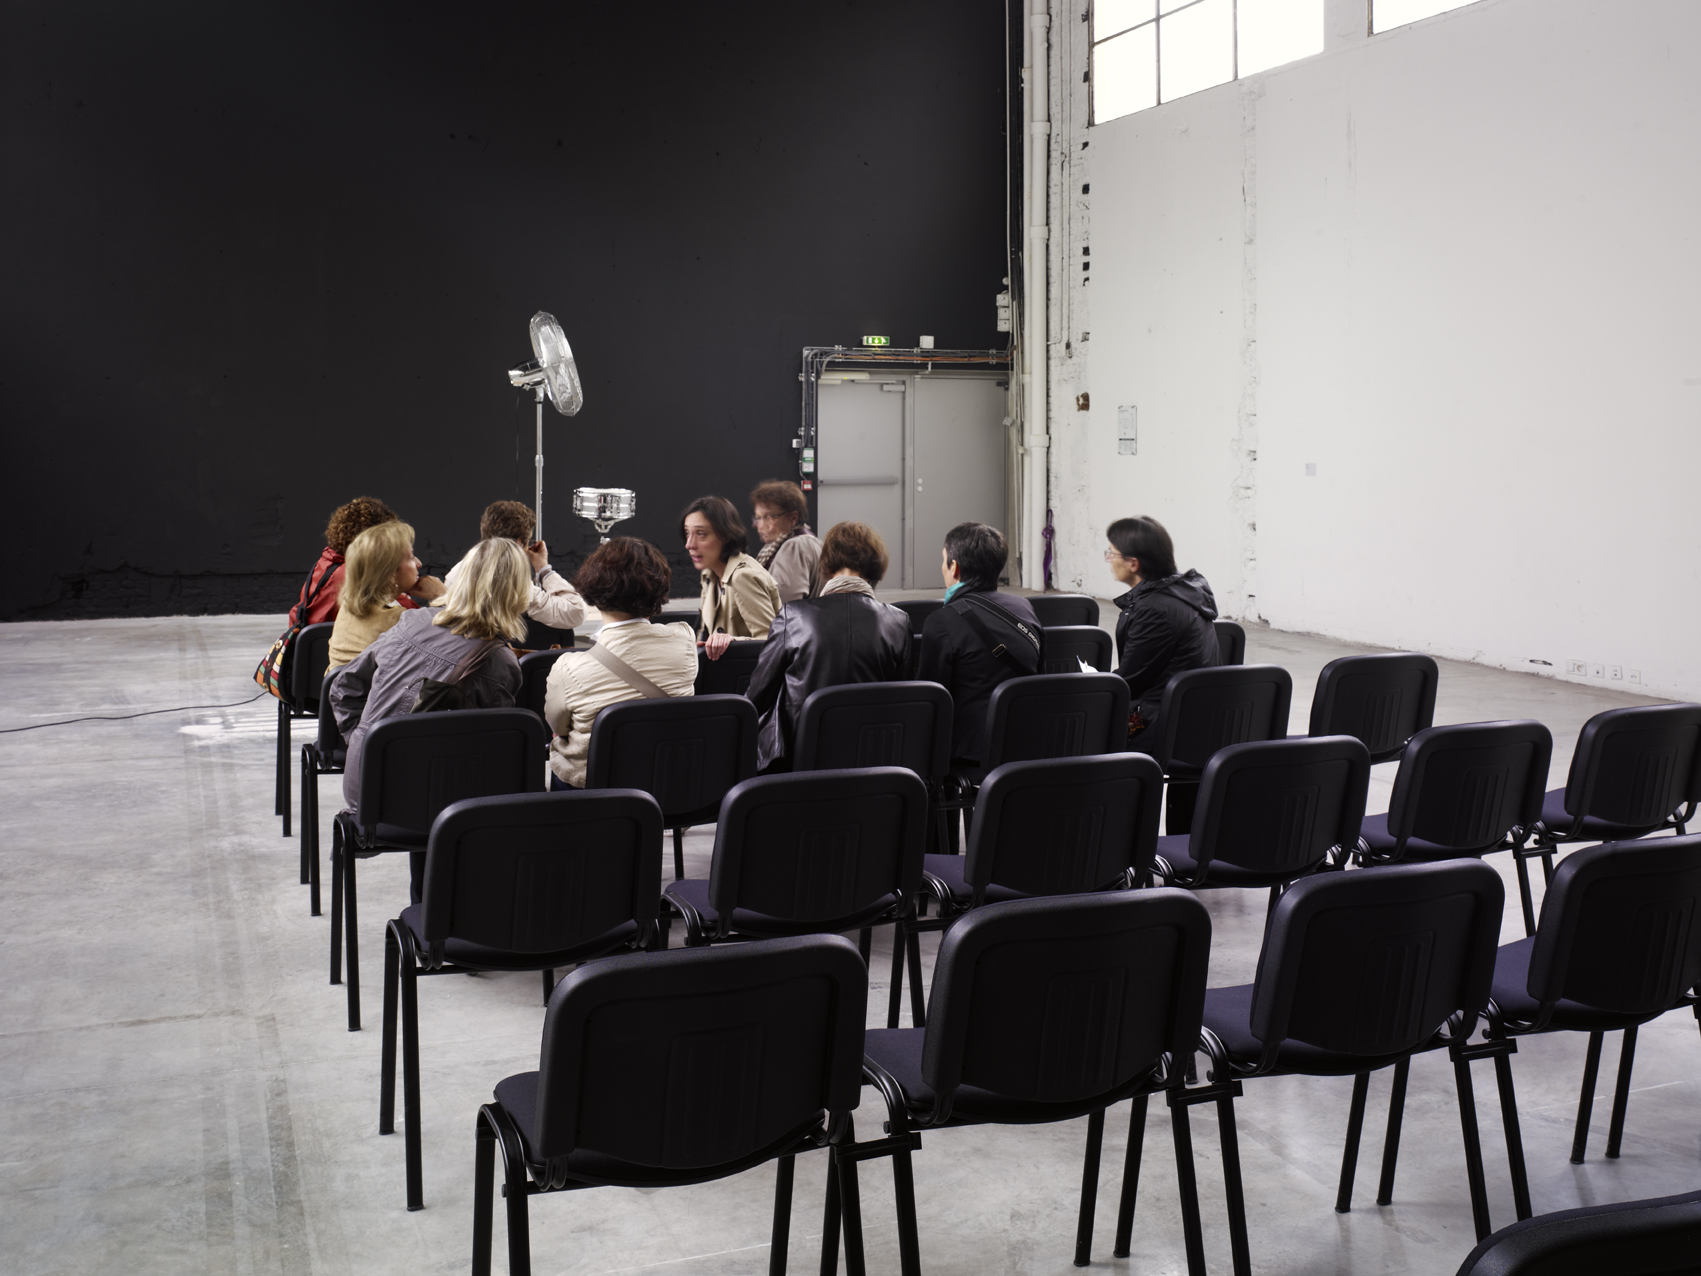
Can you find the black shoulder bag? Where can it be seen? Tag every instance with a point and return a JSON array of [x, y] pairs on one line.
[[437, 696], [1021, 654]]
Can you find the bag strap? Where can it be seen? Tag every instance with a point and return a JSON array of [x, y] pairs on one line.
[[1000, 651], [626, 673], [470, 663], [305, 601]]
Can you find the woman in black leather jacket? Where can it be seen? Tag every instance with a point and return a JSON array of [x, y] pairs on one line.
[[840, 636], [1165, 626]]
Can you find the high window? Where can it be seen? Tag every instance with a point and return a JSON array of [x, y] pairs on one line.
[[1385, 15]]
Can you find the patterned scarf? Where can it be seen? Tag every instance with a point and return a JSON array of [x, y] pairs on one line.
[[847, 585], [765, 555]]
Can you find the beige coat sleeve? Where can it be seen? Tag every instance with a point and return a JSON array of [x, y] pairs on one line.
[[555, 602], [754, 599], [793, 568]]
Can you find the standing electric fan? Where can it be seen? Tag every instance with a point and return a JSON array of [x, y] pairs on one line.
[[552, 373]]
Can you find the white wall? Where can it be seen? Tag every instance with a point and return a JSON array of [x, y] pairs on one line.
[[1457, 267]]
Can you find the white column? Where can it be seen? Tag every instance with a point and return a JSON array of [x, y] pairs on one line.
[[1035, 433]]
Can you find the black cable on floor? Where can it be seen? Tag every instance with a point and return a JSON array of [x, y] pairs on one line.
[[121, 717]]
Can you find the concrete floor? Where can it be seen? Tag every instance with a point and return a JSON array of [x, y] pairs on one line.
[[181, 1094]]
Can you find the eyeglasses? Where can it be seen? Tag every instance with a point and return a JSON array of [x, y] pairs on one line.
[[1111, 556], [770, 518]]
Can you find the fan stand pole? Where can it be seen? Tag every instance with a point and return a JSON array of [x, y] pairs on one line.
[[537, 505]]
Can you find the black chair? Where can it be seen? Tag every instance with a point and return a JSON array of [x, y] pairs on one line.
[[1050, 1009], [534, 679], [919, 609], [1064, 609], [692, 618], [1360, 971], [1383, 700], [1204, 710], [1055, 715], [1636, 771], [731, 674], [326, 754], [542, 637], [685, 753], [1659, 1237], [1067, 645], [1231, 642], [1270, 813], [1461, 790], [413, 766], [312, 652], [663, 1069], [533, 881], [1618, 946]]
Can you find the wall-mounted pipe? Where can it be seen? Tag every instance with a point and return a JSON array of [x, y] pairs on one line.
[[1036, 437]]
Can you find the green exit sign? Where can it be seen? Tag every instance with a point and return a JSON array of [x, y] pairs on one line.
[[877, 341]]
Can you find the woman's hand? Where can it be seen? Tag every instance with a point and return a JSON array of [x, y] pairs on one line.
[[538, 552], [429, 588], [716, 646]]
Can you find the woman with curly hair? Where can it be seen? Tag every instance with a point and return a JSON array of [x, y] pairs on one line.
[[321, 592], [789, 550]]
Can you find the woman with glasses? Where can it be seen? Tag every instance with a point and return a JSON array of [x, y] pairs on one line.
[[739, 599], [789, 549]]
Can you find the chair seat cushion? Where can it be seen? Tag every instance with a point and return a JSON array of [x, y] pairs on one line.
[[949, 869], [1375, 832], [1511, 994], [695, 892], [479, 957], [1228, 1013], [1557, 820], [1173, 847], [387, 837]]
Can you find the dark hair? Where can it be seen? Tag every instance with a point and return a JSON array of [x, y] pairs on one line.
[[1145, 539], [979, 552], [626, 574], [778, 494], [507, 520], [856, 546], [723, 520], [354, 518]]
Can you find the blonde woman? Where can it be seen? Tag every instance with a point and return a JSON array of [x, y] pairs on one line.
[[379, 568], [484, 608]]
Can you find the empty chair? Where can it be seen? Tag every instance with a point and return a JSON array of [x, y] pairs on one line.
[[1461, 790], [1618, 945], [685, 753], [919, 610], [325, 754], [526, 882], [730, 675], [1231, 642], [1056, 715], [1067, 645], [534, 678], [1383, 700], [1050, 1009], [307, 660], [1064, 609], [415, 765], [1359, 971], [1629, 1238], [662, 1069], [1204, 710]]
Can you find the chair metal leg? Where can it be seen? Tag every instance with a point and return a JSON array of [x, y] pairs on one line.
[[484, 1192], [1089, 1189], [1524, 894], [895, 995], [410, 1083], [1130, 1176], [548, 986], [283, 769], [1621, 1095], [679, 855], [1233, 1190], [387, 1053], [1188, 1184], [918, 1002], [1349, 1154], [519, 1221], [1473, 1143], [1391, 1140], [1586, 1097], [830, 1213], [1514, 1134], [351, 939], [307, 796], [337, 902], [850, 1203], [865, 942], [310, 849], [780, 1241], [909, 1239]]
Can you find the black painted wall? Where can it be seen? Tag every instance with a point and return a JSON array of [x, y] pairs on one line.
[[262, 257]]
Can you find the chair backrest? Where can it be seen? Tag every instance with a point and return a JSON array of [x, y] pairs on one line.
[[731, 674], [1279, 806], [1636, 766], [1056, 715], [1064, 609], [919, 609], [1466, 786], [1204, 710], [1065, 825], [544, 872], [1373, 963], [692, 618], [817, 846], [329, 739], [1064, 999], [1621, 926], [534, 678], [1383, 699], [307, 666], [904, 724], [415, 764], [1231, 642], [685, 753], [700, 1057], [1657, 1237], [1067, 645]]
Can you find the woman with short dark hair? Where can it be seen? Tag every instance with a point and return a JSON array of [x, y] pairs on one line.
[[739, 598], [840, 636], [628, 580], [790, 551], [1165, 623]]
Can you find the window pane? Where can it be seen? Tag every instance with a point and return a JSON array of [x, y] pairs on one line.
[[1387, 14], [1276, 31], [1168, 6], [1196, 48], [1111, 16], [1125, 74]]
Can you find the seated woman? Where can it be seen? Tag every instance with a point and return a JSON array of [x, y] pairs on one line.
[[379, 568], [789, 549], [1165, 626], [838, 637], [324, 583], [555, 603], [485, 608], [739, 598], [628, 580]]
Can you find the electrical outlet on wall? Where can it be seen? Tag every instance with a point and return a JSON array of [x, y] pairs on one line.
[[1636, 677], [1577, 666], [1615, 671], [1597, 671]]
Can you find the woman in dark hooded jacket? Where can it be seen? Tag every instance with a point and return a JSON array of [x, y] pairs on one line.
[[1165, 626]]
